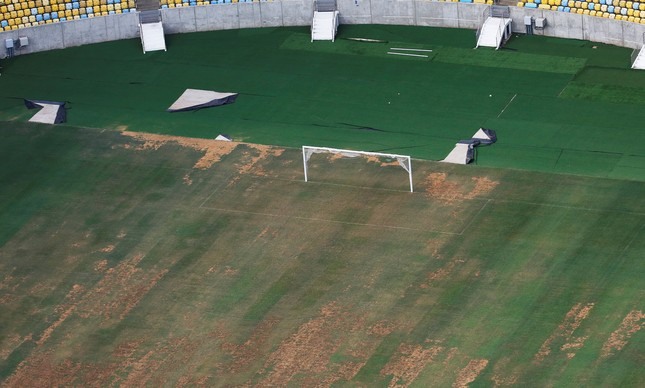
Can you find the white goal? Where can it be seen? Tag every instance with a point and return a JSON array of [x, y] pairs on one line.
[[404, 160]]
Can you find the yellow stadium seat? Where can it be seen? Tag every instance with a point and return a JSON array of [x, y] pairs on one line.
[[103, 2], [41, 10], [21, 13], [118, 11], [637, 20], [103, 8], [110, 7], [479, 1], [39, 3], [14, 14], [89, 3], [131, 3], [630, 12], [47, 8], [637, 13], [630, 18], [77, 17], [117, 6], [592, 13], [32, 19], [605, 14], [520, 4], [46, 2], [82, 11], [641, 7], [171, 5], [90, 15], [616, 10], [3, 9], [596, 7], [25, 19], [17, 6], [75, 12], [54, 7], [31, 4], [622, 3], [104, 13], [12, 22], [68, 13], [629, 4]]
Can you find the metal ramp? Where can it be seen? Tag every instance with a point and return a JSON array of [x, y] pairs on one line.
[[151, 30], [324, 23]]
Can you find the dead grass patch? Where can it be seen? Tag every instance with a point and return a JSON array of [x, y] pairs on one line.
[[213, 149], [408, 363], [246, 353], [633, 322], [308, 351], [470, 372], [571, 322], [439, 186]]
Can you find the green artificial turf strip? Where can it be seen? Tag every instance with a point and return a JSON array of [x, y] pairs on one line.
[[348, 94]]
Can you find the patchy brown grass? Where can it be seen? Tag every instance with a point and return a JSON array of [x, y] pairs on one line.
[[632, 323], [246, 353], [571, 322], [213, 149], [470, 372], [408, 363], [440, 187]]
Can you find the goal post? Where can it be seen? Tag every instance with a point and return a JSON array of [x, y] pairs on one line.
[[404, 160]]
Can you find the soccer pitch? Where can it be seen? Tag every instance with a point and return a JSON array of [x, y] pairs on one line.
[[141, 259], [134, 250]]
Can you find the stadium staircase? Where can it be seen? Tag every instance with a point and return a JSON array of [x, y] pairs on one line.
[[150, 26], [496, 29], [325, 20]]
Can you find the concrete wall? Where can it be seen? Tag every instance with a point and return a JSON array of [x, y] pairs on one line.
[[280, 13]]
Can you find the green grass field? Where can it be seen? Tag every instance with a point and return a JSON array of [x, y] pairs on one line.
[[158, 257]]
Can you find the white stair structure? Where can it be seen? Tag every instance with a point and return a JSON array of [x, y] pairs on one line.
[[324, 23], [151, 31], [639, 62], [494, 32]]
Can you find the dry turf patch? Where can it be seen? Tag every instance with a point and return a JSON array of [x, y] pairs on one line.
[[632, 323], [564, 331], [441, 187], [470, 372], [408, 362]]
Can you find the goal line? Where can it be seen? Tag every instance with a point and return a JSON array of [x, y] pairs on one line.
[[404, 160]]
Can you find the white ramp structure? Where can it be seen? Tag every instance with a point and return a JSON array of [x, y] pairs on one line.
[[51, 112], [325, 20], [494, 32], [464, 151], [151, 31], [496, 28], [639, 62], [193, 99]]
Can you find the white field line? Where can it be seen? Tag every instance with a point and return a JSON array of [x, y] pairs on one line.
[[509, 103], [472, 219], [410, 49], [327, 220], [408, 55]]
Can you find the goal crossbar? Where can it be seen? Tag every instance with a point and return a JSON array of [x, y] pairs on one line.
[[404, 160]]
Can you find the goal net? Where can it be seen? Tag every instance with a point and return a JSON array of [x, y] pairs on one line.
[[404, 160]]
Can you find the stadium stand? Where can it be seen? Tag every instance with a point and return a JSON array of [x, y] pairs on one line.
[[629, 11], [15, 14]]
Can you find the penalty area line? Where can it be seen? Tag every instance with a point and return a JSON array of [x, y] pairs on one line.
[[326, 220]]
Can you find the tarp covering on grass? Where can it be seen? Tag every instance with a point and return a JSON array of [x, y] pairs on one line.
[[464, 151], [51, 112], [193, 99]]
